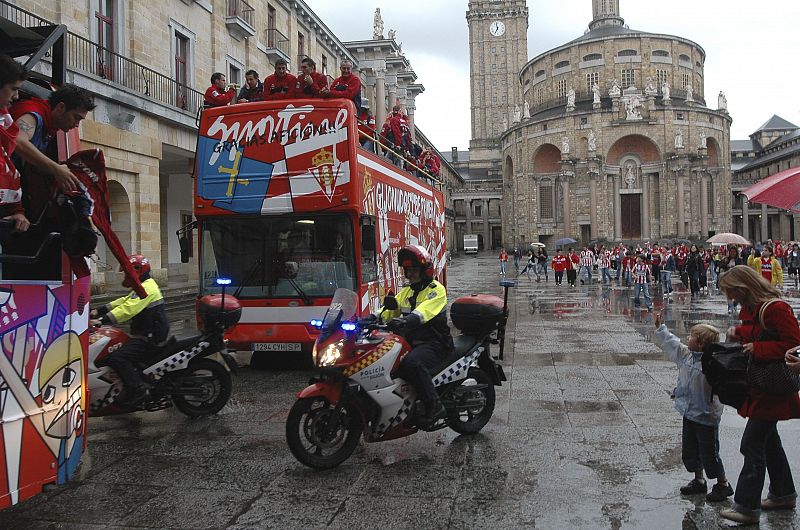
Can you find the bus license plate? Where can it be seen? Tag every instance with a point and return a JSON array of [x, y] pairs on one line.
[[276, 346]]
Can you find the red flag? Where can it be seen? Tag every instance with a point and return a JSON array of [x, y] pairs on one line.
[[90, 168]]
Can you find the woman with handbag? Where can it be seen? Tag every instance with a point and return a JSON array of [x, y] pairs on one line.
[[769, 328]]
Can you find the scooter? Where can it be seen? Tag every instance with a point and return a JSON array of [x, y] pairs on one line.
[[358, 391], [193, 373]]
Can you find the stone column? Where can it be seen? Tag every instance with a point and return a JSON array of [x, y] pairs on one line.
[[593, 204], [645, 206], [380, 98], [392, 95], [410, 108], [567, 214], [680, 206], [745, 217], [764, 223], [617, 209], [704, 206]]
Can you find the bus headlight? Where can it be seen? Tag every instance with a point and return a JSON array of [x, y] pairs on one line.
[[331, 354]]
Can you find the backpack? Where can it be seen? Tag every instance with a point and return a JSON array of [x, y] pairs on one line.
[[725, 367]]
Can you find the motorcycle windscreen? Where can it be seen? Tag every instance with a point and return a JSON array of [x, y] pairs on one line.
[[343, 307]]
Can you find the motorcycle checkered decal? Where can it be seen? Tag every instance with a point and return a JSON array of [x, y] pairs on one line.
[[401, 415], [449, 374], [109, 398], [379, 352], [177, 361]]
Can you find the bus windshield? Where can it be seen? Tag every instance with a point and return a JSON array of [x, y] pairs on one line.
[[253, 252]]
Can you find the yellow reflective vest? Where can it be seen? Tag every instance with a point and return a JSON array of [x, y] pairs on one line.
[[147, 315], [429, 305]]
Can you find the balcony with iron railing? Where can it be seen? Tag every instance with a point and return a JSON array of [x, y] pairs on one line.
[[275, 46], [240, 19], [106, 67]]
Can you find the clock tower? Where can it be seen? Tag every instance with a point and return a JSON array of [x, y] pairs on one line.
[[498, 49]]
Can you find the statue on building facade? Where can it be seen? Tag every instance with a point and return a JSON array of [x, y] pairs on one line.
[[632, 104], [650, 87], [526, 113], [689, 93], [517, 114], [665, 90], [571, 98], [392, 34], [679, 139], [703, 142], [377, 25], [630, 174], [595, 94], [614, 91], [565, 145], [722, 102], [592, 141]]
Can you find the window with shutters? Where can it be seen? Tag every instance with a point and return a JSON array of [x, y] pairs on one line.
[[546, 201]]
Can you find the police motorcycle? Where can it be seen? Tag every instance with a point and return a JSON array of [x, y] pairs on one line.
[[193, 373], [358, 392]]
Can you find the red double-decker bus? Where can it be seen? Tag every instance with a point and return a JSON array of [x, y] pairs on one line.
[[290, 207]]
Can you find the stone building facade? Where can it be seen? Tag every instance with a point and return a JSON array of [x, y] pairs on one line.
[[611, 137], [148, 64], [772, 148]]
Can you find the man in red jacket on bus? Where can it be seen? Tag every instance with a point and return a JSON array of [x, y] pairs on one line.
[[310, 83], [280, 84], [347, 85], [216, 95]]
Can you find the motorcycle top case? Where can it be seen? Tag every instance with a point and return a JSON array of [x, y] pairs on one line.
[[476, 314], [209, 309]]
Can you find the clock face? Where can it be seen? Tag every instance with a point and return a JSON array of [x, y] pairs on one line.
[[497, 28]]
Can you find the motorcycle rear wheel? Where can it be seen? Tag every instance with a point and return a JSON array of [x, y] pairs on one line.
[[216, 385], [472, 420], [312, 440]]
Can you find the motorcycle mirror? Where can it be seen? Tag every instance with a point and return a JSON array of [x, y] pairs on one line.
[[390, 302], [183, 243]]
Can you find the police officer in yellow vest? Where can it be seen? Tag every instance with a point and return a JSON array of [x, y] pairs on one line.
[[421, 317], [149, 328]]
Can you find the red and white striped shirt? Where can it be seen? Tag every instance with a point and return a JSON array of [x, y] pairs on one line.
[[640, 272], [605, 260], [587, 258]]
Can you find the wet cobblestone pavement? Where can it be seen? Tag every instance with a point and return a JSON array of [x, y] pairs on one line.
[[584, 436]]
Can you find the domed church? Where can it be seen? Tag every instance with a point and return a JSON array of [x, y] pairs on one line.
[[607, 136]]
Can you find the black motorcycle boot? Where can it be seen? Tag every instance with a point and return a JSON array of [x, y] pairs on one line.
[[431, 414]]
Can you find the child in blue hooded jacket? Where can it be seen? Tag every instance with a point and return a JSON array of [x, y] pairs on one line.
[[700, 409]]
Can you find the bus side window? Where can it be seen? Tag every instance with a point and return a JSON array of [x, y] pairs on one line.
[[369, 267]]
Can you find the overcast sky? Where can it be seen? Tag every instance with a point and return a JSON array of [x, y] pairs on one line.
[[752, 52]]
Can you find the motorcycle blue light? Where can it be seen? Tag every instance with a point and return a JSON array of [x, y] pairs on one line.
[[223, 281], [348, 326], [316, 323]]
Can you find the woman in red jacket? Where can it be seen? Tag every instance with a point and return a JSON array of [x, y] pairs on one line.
[[761, 446]]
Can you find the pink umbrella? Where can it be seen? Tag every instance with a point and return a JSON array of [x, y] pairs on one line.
[[781, 190]]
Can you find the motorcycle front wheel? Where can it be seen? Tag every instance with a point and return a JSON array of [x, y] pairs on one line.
[[202, 389], [320, 435], [474, 400]]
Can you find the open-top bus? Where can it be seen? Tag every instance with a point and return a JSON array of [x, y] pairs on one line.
[[286, 184]]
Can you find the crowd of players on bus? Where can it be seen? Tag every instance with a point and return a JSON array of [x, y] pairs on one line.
[[394, 139]]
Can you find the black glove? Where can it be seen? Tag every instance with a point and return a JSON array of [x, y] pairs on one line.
[[397, 324], [368, 320]]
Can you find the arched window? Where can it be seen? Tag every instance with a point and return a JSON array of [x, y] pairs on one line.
[[627, 53], [660, 53], [562, 64], [683, 57], [592, 57], [540, 73]]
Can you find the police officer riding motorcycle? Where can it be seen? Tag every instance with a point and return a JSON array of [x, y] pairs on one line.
[[421, 317], [149, 329]]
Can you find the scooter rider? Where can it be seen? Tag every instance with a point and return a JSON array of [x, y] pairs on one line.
[[421, 317], [149, 328]]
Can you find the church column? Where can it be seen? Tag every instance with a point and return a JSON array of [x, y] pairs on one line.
[[681, 206], [593, 204], [380, 98], [645, 206], [617, 209], [764, 223], [392, 95], [704, 206], [410, 108], [567, 213], [745, 217]]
